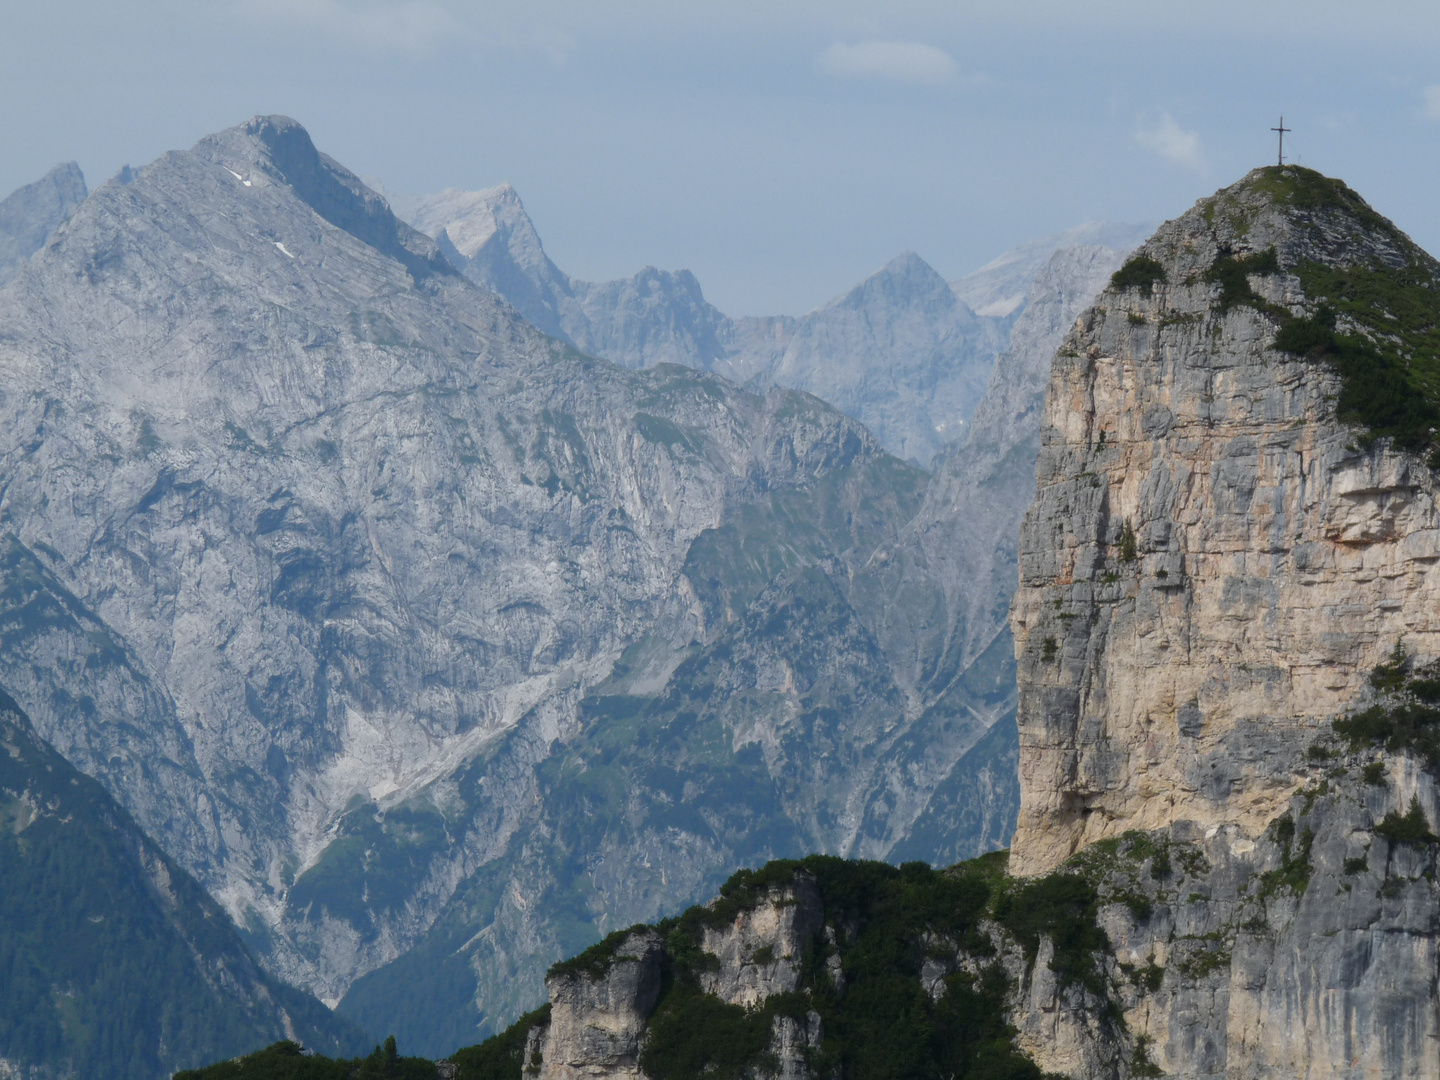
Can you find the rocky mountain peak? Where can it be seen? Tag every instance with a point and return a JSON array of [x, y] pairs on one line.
[[30, 215], [277, 149], [906, 282], [1236, 520]]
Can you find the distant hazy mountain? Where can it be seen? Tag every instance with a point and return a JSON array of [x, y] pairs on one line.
[[899, 352], [412, 632], [654, 317], [30, 215], [1002, 286], [113, 961]]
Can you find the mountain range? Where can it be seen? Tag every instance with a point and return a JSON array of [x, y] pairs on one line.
[[904, 352], [433, 646]]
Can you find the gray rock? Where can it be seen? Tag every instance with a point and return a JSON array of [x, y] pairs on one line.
[[30, 215], [1213, 566], [597, 1018]]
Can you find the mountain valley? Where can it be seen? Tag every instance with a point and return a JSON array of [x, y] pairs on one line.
[[434, 648]]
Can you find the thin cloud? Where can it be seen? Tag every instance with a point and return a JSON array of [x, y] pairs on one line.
[[1173, 143], [898, 61], [413, 26], [1431, 96]]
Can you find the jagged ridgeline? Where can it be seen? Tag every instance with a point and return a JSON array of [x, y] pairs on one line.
[[431, 647]]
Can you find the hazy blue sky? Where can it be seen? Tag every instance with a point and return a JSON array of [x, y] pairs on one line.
[[781, 150]]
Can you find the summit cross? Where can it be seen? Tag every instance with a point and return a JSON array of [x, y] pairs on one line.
[[1282, 129]]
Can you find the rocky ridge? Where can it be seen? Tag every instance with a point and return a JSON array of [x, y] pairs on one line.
[[1229, 715], [30, 215]]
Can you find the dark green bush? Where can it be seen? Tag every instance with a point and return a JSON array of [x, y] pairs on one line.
[[1408, 828], [1232, 273], [501, 1057], [1140, 272], [1406, 719], [694, 1034], [1061, 906]]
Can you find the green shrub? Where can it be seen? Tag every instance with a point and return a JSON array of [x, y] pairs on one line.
[[1140, 272], [1232, 274], [1294, 870], [1063, 907], [1128, 552], [694, 1034], [1408, 828], [500, 1056], [1406, 719]]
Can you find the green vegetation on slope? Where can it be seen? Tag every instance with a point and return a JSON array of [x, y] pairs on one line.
[[287, 1060], [1407, 716], [878, 1020], [1375, 320], [113, 961], [1139, 272]]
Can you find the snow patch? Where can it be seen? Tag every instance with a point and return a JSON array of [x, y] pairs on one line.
[[237, 176], [283, 250]]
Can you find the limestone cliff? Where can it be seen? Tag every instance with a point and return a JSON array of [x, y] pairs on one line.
[[1235, 522]]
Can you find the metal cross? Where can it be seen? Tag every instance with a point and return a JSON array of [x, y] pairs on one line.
[[1282, 129]]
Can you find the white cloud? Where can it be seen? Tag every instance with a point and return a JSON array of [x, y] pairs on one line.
[[411, 26], [901, 61], [1431, 94], [1173, 143]]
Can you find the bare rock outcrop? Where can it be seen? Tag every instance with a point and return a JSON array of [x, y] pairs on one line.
[[760, 952], [597, 1017]]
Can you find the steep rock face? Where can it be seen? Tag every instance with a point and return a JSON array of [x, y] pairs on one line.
[[797, 970], [434, 648], [30, 215], [320, 521], [1274, 561], [597, 1018], [760, 951], [1213, 567]]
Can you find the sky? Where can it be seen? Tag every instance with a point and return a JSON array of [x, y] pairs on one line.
[[781, 150]]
